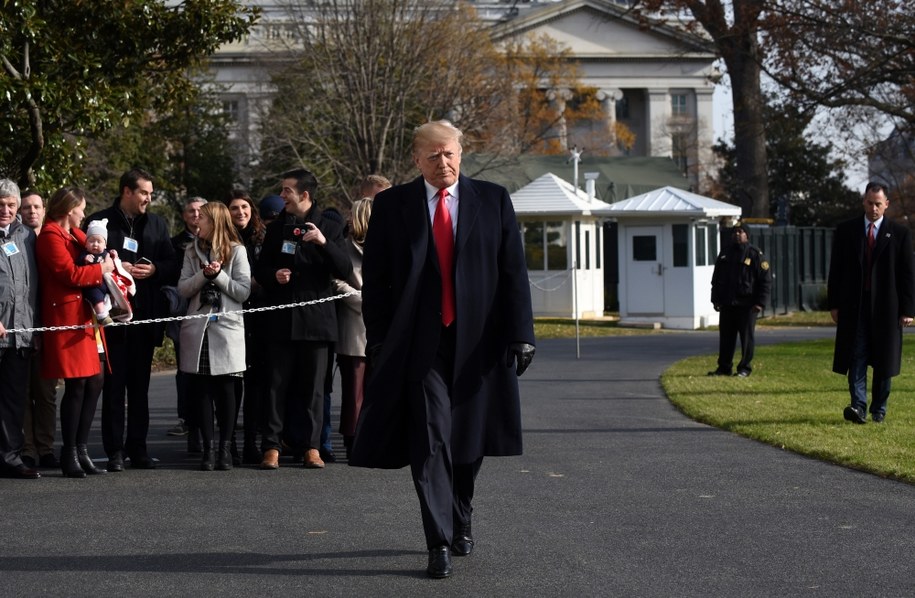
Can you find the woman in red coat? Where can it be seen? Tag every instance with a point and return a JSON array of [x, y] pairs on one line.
[[74, 355]]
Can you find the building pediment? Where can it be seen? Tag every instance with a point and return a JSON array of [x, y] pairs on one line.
[[595, 29]]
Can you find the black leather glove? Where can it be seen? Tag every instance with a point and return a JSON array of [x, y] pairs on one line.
[[372, 354], [523, 353]]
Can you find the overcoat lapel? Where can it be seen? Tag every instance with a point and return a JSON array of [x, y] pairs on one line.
[[469, 208], [884, 238]]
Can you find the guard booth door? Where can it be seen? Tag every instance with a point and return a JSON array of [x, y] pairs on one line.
[[644, 282]]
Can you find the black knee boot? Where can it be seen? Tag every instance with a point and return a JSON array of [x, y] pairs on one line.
[[236, 456], [250, 454], [224, 461], [69, 464], [194, 444], [206, 464], [85, 462]]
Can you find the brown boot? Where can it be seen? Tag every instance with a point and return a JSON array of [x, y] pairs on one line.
[[313, 459], [271, 459]]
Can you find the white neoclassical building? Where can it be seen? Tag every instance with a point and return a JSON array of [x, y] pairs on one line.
[[658, 82]]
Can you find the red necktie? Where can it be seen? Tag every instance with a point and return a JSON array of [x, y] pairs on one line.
[[443, 234], [871, 241]]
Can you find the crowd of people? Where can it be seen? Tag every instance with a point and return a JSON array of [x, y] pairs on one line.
[[62, 269], [434, 329]]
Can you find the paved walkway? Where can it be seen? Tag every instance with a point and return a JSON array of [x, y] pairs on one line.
[[617, 494]]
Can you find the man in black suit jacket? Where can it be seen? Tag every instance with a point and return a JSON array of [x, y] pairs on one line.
[[303, 252], [871, 295], [442, 392], [142, 241]]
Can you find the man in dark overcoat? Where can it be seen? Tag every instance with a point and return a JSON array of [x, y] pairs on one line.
[[871, 295], [444, 350]]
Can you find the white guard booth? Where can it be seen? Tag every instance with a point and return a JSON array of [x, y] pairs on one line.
[[668, 243], [561, 228]]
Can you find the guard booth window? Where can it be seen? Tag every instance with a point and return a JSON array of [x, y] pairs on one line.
[[546, 245], [644, 248], [706, 245], [681, 245]]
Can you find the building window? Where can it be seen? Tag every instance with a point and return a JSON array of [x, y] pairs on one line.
[[557, 256], [678, 104], [546, 245], [230, 110], [681, 245], [701, 246], [679, 150], [706, 244], [598, 248], [644, 248], [712, 236], [578, 245], [533, 245]]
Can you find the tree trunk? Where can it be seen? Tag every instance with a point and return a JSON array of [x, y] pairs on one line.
[[749, 131]]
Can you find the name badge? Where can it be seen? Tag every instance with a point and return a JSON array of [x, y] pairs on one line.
[[10, 249], [289, 247], [131, 245]]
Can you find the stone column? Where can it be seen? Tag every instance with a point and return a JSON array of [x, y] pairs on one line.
[[658, 115], [608, 99], [559, 97]]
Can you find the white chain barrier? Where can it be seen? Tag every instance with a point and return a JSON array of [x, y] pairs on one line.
[[188, 317], [566, 274]]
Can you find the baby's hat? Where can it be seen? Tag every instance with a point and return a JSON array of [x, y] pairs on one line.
[[98, 227]]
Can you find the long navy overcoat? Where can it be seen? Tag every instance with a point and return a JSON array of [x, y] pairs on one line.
[[401, 307]]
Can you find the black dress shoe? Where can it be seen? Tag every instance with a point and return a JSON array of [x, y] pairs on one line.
[[462, 544], [439, 562], [48, 461], [719, 373], [115, 463], [251, 456], [854, 415], [142, 462], [327, 456], [877, 418], [20, 472], [29, 461]]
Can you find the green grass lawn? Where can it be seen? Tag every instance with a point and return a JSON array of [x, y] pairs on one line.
[[795, 402], [565, 328]]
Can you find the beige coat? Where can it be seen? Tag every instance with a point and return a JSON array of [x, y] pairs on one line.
[[225, 332], [351, 339]]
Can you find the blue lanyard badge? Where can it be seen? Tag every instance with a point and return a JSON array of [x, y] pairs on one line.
[[288, 247], [131, 245], [10, 249]]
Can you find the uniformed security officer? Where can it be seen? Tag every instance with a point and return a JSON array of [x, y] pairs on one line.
[[740, 290]]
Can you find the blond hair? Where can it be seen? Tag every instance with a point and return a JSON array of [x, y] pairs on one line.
[[436, 132], [361, 212], [225, 235]]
